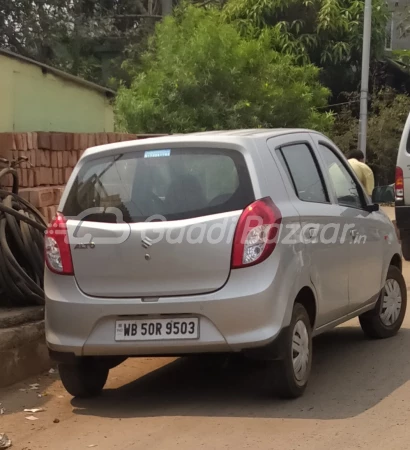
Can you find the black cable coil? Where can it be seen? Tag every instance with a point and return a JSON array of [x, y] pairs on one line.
[[22, 229]]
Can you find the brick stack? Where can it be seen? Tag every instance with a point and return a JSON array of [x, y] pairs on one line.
[[51, 159]]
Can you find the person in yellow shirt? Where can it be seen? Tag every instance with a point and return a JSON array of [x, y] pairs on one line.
[[362, 170]]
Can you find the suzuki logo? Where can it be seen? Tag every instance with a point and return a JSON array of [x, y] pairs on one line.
[[146, 242]]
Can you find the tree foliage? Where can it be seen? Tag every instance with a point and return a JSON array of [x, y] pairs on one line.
[[327, 33], [387, 116], [201, 74], [78, 36]]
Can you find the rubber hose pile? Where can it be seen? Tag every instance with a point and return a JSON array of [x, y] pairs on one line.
[[22, 230]]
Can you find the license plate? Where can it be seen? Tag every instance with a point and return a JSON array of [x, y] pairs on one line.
[[156, 329]]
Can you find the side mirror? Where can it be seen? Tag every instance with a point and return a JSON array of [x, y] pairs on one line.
[[372, 207]]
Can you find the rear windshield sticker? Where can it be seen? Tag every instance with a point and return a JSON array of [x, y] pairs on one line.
[[157, 153]]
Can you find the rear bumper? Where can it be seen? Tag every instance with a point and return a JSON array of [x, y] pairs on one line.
[[402, 217], [248, 312]]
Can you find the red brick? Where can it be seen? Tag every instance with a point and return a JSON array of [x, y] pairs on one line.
[[66, 158], [44, 141], [38, 154], [69, 141], [67, 173], [92, 140], [25, 177], [58, 141], [60, 176], [76, 141], [73, 159], [7, 141], [55, 176], [83, 141], [101, 138], [111, 138], [42, 196], [32, 157], [29, 141], [47, 158], [54, 159], [58, 192], [21, 141], [20, 177], [133, 137], [23, 154], [52, 211], [37, 176], [35, 140], [30, 177], [7, 182], [46, 176], [44, 212], [25, 193], [49, 175], [60, 159]]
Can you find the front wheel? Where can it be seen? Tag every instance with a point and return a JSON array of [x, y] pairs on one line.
[[387, 316], [293, 369], [86, 378]]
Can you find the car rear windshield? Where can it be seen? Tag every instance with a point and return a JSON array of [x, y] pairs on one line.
[[173, 184]]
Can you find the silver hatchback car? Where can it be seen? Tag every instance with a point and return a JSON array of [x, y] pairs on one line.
[[249, 241]]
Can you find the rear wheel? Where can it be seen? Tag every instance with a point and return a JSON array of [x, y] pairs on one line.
[[405, 247], [387, 317], [294, 369], [86, 378]]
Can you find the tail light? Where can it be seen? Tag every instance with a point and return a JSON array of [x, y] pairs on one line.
[[57, 247], [256, 233], [399, 184]]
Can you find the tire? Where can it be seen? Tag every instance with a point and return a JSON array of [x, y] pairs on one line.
[[379, 323], [84, 379], [292, 383], [405, 247]]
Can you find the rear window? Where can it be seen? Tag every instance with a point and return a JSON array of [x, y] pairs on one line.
[[173, 183]]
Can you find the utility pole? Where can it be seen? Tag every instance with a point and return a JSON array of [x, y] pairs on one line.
[[166, 7], [364, 89]]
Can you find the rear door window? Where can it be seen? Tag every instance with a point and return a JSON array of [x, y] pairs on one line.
[[174, 184], [303, 171]]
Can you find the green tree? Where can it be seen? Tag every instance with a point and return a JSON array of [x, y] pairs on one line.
[[387, 116], [327, 33], [201, 74], [84, 37]]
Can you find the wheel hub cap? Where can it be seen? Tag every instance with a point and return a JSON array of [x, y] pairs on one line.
[[300, 350], [391, 304]]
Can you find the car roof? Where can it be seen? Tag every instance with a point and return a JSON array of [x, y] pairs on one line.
[[222, 136]]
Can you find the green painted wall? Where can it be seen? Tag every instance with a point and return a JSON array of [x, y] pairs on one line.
[[33, 101]]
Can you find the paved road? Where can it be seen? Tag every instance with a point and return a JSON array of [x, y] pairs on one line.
[[359, 397]]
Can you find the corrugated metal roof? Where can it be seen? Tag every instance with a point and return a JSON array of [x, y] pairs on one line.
[[59, 73]]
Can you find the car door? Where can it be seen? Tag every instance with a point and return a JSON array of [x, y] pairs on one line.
[[328, 264], [363, 229]]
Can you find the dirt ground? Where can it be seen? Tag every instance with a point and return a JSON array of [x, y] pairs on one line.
[[358, 398]]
